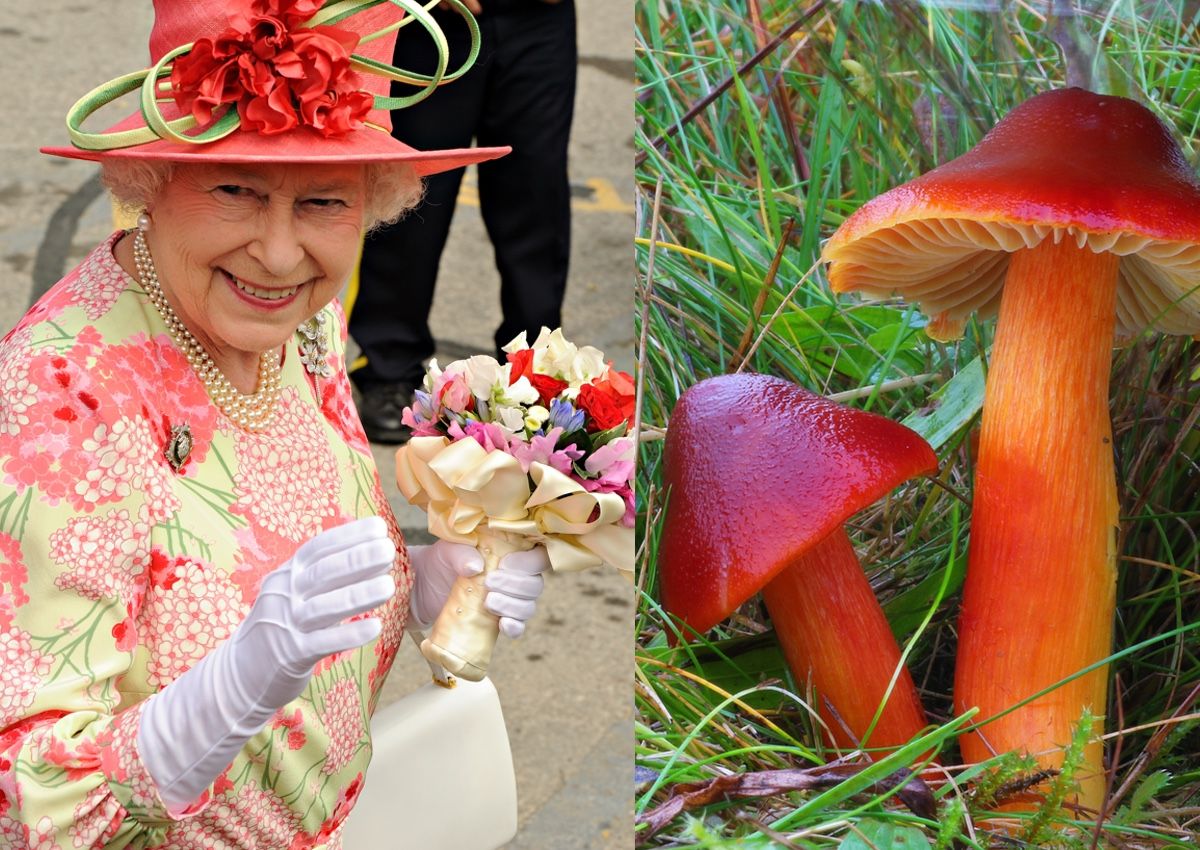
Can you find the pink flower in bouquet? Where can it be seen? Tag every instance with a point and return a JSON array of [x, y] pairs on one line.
[[540, 449], [451, 391], [613, 466], [488, 434], [612, 463]]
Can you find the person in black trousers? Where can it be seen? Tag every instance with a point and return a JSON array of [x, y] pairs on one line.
[[521, 92]]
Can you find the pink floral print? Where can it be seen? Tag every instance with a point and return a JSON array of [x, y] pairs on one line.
[[284, 486], [41, 836], [253, 818], [12, 831], [189, 609], [343, 718], [23, 669], [118, 453], [106, 555], [119, 573], [96, 286], [96, 819], [153, 373], [18, 394], [13, 575]]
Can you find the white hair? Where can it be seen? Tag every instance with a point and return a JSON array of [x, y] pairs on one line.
[[393, 188]]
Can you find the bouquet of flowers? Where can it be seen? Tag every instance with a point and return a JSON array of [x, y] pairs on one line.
[[506, 456]]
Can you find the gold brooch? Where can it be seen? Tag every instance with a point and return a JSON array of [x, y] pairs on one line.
[[179, 448]]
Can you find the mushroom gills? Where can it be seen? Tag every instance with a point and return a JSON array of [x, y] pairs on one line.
[[951, 267]]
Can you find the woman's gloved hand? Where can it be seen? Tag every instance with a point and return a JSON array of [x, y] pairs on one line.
[[513, 588], [297, 619]]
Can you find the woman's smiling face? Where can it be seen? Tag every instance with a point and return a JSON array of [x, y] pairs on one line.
[[246, 253]]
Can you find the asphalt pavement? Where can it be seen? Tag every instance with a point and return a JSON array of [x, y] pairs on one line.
[[566, 687]]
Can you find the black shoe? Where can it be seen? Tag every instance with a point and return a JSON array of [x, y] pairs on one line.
[[380, 408]]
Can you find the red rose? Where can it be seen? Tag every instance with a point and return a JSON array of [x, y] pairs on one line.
[[617, 387], [602, 408], [548, 388]]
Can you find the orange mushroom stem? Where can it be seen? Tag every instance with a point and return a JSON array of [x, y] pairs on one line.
[[1043, 530], [843, 647]]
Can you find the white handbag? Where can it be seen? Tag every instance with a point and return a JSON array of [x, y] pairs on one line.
[[441, 777]]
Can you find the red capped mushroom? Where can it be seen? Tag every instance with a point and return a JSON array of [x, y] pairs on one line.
[[1079, 217], [761, 476]]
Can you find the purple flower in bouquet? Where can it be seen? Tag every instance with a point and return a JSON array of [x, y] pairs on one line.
[[564, 415], [422, 415]]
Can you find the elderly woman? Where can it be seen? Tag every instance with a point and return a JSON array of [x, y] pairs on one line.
[[202, 586]]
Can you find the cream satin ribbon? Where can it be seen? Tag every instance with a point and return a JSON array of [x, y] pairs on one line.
[[483, 499], [468, 491]]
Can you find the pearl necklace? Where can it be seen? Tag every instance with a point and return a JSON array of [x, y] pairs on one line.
[[252, 412]]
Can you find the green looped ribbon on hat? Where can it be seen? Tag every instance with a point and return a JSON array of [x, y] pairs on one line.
[[154, 92]]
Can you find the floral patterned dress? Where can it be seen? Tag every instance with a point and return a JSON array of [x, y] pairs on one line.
[[118, 573]]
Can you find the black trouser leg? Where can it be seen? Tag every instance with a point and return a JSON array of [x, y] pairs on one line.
[[525, 197], [398, 272]]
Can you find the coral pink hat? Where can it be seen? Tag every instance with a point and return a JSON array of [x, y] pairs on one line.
[[273, 81]]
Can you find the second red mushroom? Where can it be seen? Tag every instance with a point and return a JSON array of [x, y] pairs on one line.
[[762, 475]]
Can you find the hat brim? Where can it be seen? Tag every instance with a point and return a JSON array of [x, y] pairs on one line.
[[301, 145]]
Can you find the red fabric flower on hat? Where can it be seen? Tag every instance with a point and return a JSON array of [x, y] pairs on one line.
[[278, 74]]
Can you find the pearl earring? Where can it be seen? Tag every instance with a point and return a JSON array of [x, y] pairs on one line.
[[143, 222]]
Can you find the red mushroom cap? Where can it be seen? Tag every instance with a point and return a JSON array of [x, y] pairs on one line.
[[1102, 171], [759, 470]]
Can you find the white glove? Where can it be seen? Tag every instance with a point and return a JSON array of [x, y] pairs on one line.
[[296, 621], [513, 588]]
